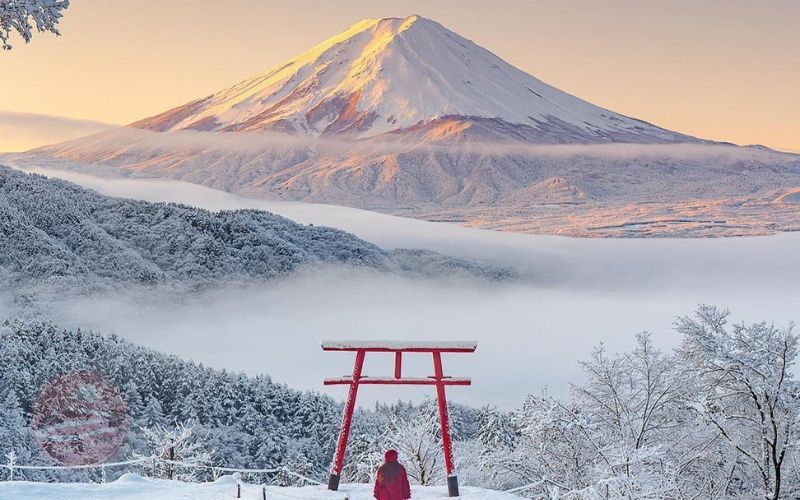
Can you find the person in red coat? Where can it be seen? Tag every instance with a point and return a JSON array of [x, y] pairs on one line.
[[391, 482]]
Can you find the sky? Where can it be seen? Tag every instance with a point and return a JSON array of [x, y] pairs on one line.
[[719, 69]]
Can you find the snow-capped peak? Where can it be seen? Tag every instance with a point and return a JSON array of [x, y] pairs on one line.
[[384, 75]]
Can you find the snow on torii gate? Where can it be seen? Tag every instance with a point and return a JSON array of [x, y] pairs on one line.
[[361, 347]]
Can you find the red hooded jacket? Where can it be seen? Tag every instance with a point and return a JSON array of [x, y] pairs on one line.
[[391, 482]]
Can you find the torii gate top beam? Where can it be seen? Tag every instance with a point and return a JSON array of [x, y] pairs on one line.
[[391, 346]]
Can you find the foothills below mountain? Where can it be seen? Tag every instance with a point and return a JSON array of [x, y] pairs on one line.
[[60, 238]]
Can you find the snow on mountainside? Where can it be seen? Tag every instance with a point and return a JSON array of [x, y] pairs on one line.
[[586, 190], [406, 117], [387, 75]]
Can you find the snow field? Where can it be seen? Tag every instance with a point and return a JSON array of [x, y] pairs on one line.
[[135, 487]]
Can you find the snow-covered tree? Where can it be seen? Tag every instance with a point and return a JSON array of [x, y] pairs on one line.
[[25, 16], [153, 414], [364, 456], [553, 450], [718, 418], [15, 437], [419, 445], [608, 440], [295, 467], [179, 444], [495, 429], [742, 381], [636, 405]]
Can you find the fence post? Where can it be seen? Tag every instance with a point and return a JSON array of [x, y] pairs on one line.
[[12, 460], [171, 457], [237, 476]]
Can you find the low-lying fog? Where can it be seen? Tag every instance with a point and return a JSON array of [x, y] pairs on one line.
[[579, 292]]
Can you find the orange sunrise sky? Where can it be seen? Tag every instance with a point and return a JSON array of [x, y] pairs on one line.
[[718, 69]]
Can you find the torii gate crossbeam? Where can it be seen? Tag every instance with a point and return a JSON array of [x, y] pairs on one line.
[[361, 348]]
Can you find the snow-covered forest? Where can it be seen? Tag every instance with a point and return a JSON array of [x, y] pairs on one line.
[[718, 417], [241, 421], [59, 236]]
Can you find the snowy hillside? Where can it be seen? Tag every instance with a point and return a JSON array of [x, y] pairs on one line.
[[645, 423], [248, 421], [133, 487], [56, 233], [387, 75]]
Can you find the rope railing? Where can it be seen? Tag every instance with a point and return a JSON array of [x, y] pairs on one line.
[[276, 470], [12, 466], [75, 467]]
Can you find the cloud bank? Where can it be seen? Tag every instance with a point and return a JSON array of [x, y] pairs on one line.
[[576, 294], [24, 131], [192, 141]]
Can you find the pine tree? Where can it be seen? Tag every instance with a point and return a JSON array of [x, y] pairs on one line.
[[495, 430], [153, 415], [14, 434]]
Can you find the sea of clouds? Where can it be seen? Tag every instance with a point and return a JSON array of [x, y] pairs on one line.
[[131, 139], [573, 294]]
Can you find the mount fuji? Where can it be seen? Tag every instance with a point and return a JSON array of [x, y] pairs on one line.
[[404, 116], [388, 76]]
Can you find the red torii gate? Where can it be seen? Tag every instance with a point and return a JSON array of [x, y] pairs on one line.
[[361, 347]]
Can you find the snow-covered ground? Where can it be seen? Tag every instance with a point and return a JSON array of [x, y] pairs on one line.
[[530, 334], [134, 487]]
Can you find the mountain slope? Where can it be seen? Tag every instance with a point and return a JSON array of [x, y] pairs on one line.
[[56, 235], [388, 75], [588, 190], [406, 117]]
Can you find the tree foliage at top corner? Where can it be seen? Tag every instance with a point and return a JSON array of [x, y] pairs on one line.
[[23, 16]]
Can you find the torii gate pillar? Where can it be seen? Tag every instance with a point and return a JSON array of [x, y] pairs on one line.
[[438, 379]]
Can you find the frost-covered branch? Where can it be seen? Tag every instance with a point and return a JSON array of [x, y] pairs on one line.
[[25, 16]]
